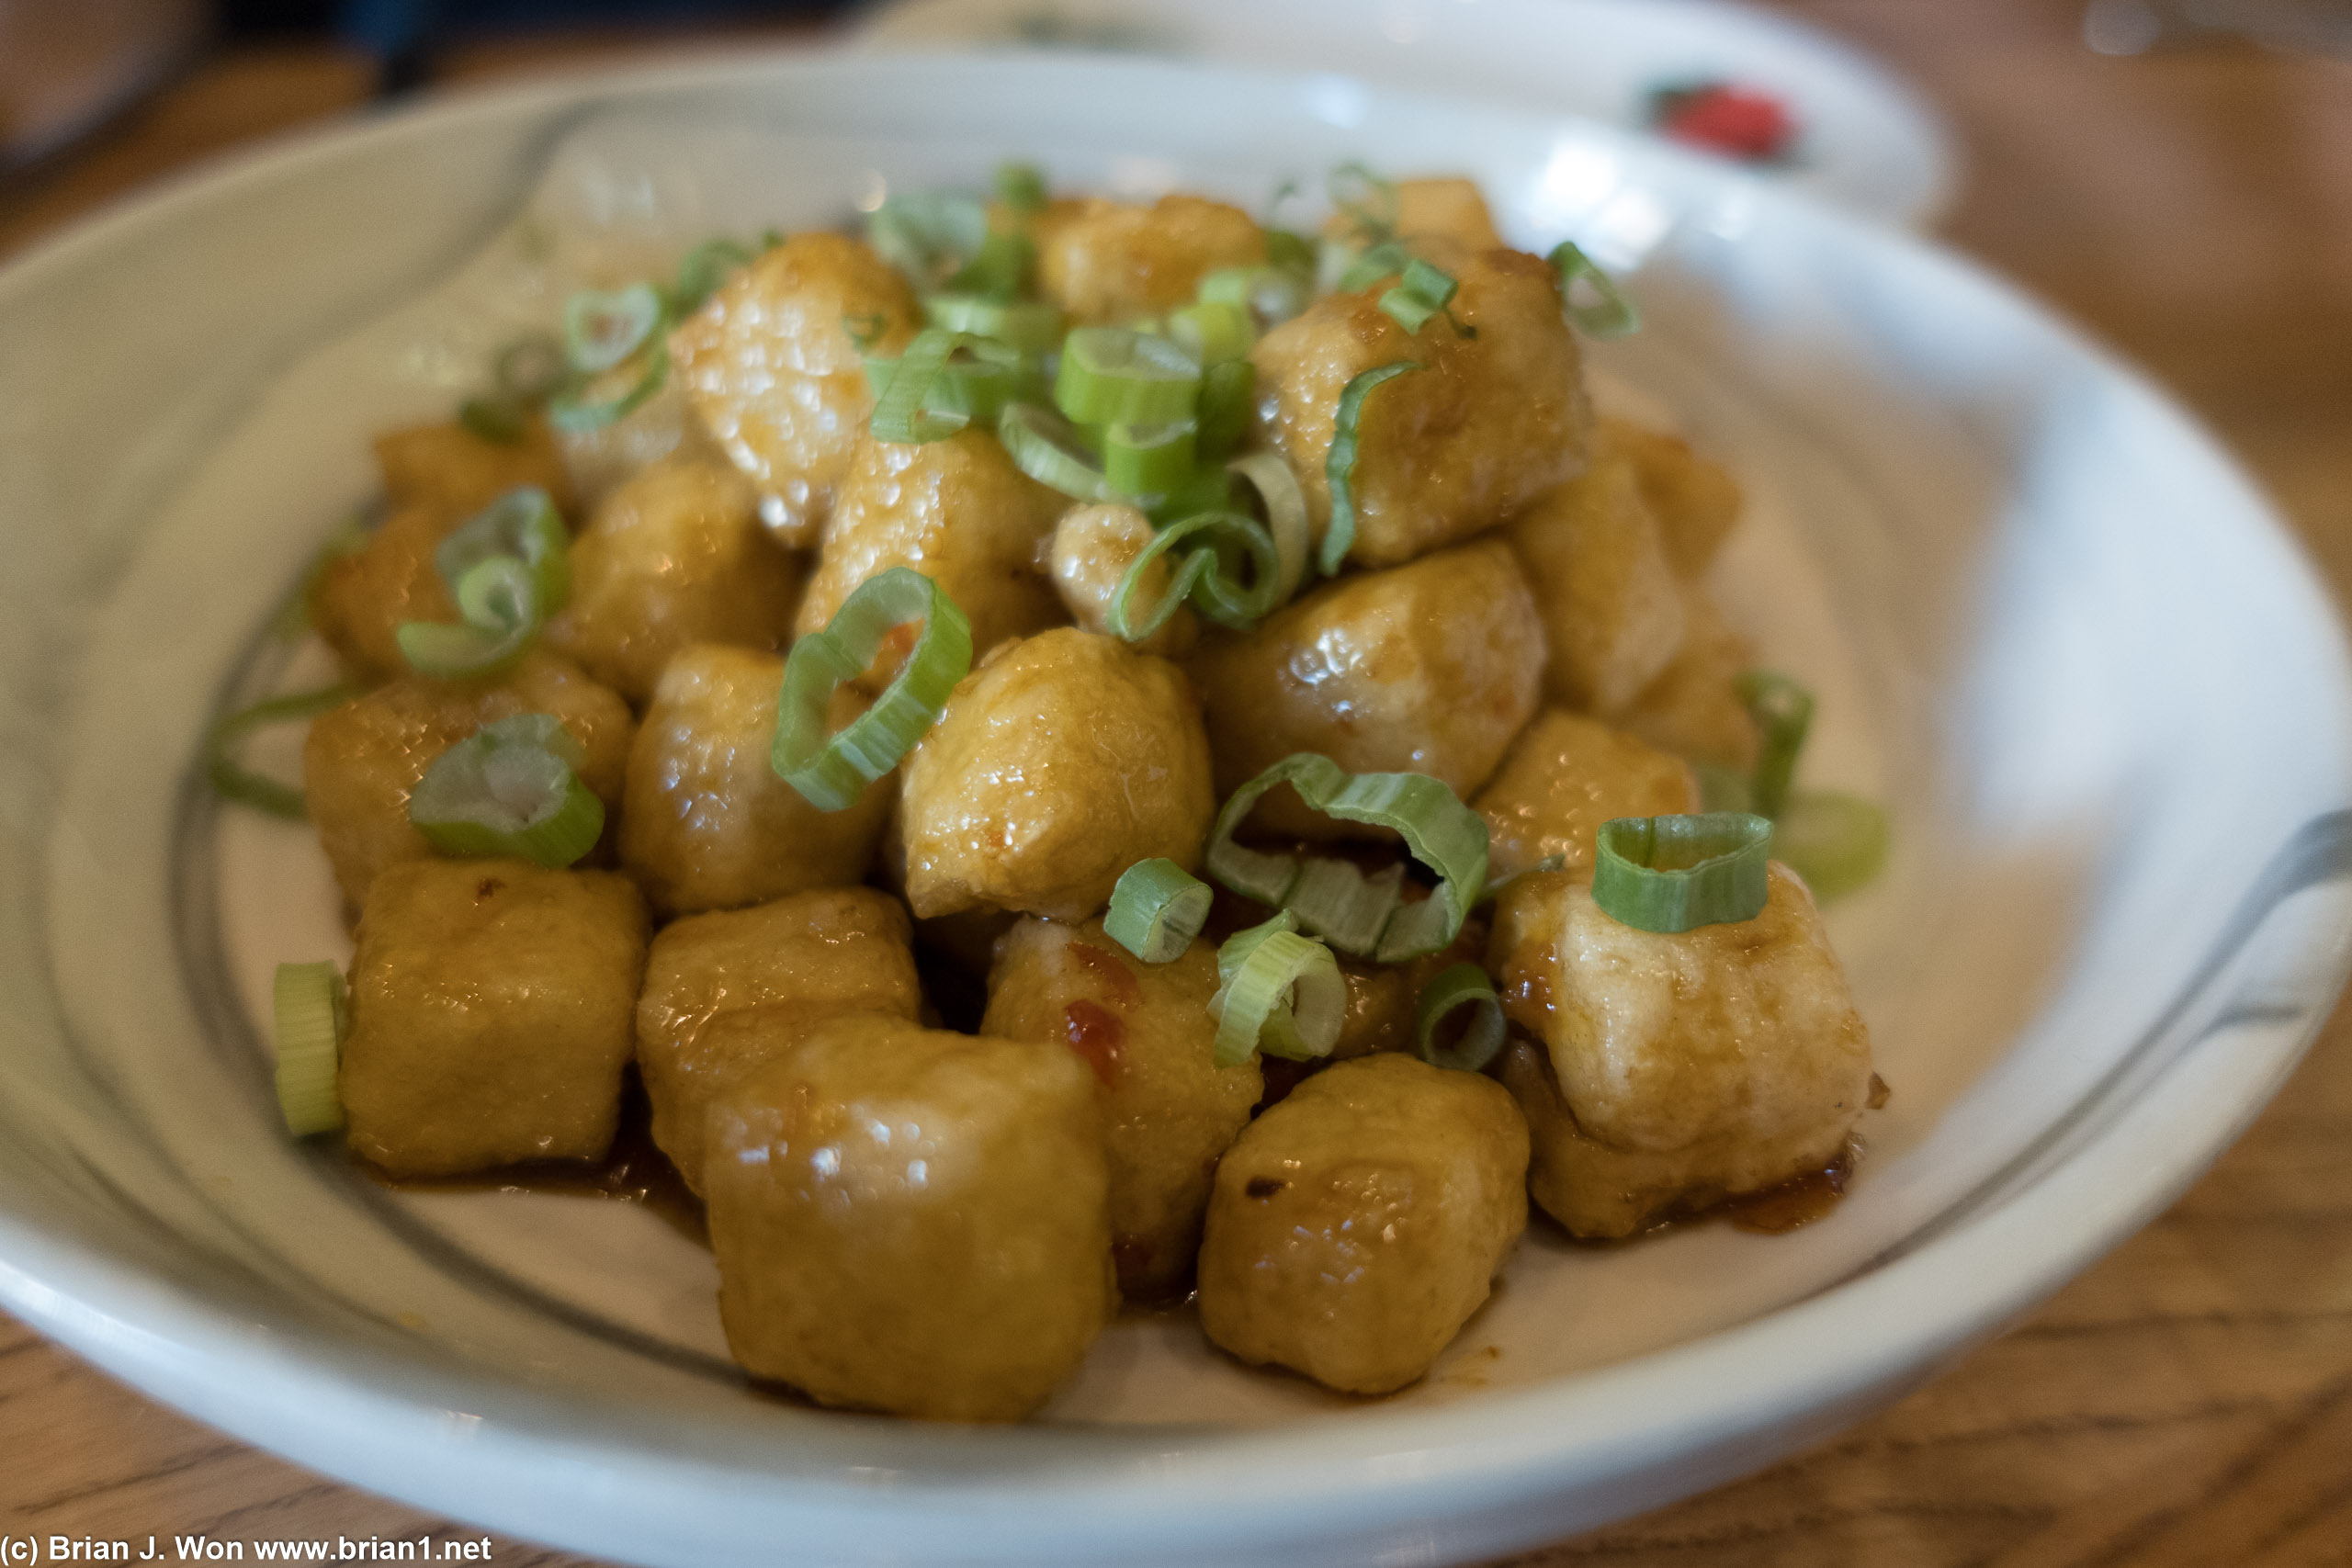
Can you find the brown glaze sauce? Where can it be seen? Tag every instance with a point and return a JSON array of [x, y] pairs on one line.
[[1120, 980], [1798, 1202], [634, 1171], [1096, 1034]]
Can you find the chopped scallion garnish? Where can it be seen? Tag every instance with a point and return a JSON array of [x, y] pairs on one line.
[[928, 235], [1784, 713], [1387, 259], [1230, 573], [1144, 461], [1422, 292], [1837, 842], [1226, 393], [509, 569], [902, 410], [1213, 330], [1439, 830], [979, 380], [1284, 504], [1370, 204], [1672, 874], [1340, 463], [1031, 326], [232, 782], [1722, 788], [702, 270], [499, 421], [1052, 450], [531, 369], [310, 1011], [510, 789], [1157, 910], [998, 270], [1290, 250], [577, 409], [1021, 186], [1117, 376], [830, 771], [603, 327], [1464, 984], [1610, 314], [1271, 294], [1279, 992]]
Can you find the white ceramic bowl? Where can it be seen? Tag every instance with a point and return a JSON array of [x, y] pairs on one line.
[[2051, 625], [1865, 139]]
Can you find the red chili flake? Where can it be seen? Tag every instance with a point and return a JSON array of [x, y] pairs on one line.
[[1096, 1033], [1739, 122]]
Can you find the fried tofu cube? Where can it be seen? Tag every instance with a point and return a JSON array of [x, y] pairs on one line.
[[1110, 261], [1093, 548], [710, 826], [674, 557], [1447, 206], [958, 511], [1357, 1225], [731, 989], [450, 470], [1613, 612], [1693, 709], [771, 370], [1054, 767], [1488, 423], [362, 761], [360, 598], [1675, 1069], [1566, 775], [912, 1221], [1429, 668], [490, 1002], [1168, 1110], [1695, 501]]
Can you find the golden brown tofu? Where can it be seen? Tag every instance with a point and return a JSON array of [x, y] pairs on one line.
[[912, 1221], [675, 556], [1054, 767], [1431, 667], [359, 600], [1613, 607], [710, 826], [770, 368], [1447, 206], [1677, 1069], [450, 470], [1489, 423], [361, 760], [1168, 1110], [1357, 1226], [729, 990], [1695, 501], [1093, 548], [490, 1002], [1693, 709], [958, 511], [1110, 261], [1566, 775]]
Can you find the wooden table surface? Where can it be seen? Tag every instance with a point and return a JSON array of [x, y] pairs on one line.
[[2187, 1402]]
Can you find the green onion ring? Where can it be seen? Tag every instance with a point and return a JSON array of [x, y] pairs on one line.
[[231, 781], [523, 524], [1464, 984], [603, 327], [1614, 316], [1051, 450], [1270, 294], [1784, 711], [979, 380], [1340, 463], [1031, 326], [1368, 202], [1148, 460], [901, 415], [501, 421], [1227, 390], [831, 771], [927, 235], [1156, 909], [1837, 842], [1722, 788], [1387, 259], [1441, 832], [1280, 993], [1289, 250], [1208, 575], [510, 789], [1118, 375], [1673, 874], [1285, 506], [998, 270], [311, 1013], [573, 412], [1021, 186], [702, 270], [1424, 291], [1212, 331], [531, 369]]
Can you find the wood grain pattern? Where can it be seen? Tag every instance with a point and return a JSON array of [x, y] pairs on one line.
[[2187, 1402]]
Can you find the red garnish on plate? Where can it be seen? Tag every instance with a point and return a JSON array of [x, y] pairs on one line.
[[1722, 117]]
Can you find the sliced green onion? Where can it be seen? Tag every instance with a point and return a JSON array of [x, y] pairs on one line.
[[831, 771], [1021, 186], [703, 269], [523, 524], [510, 789], [998, 270], [575, 412], [1147, 459], [1227, 390], [1369, 203], [1279, 992], [1203, 490], [1270, 294], [312, 1012], [1496, 888], [1387, 259], [1723, 789], [1612, 314], [865, 329], [1784, 711], [531, 369], [1464, 984], [1051, 450], [509, 569], [1423, 293], [901, 414], [499, 421], [1285, 507], [979, 380], [603, 327], [1031, 326], [1290, 250], [1117, 376], [1441, 832], [928, 234], [1339, 464], [1156, 909], [232, 782], [1672, 874], [1230, 574], [1213, 332], [1340, 903], [1837, 842]]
